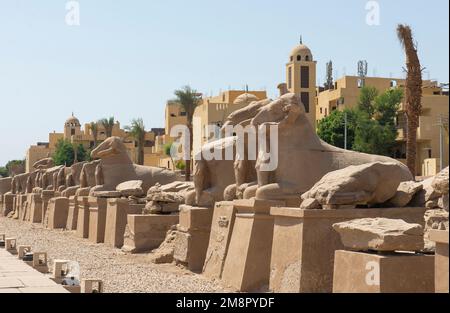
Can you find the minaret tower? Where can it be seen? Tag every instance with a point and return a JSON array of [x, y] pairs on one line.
[[301, 78]]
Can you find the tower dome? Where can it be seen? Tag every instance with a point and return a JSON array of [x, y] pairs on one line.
[[301, 53], [72, 122]]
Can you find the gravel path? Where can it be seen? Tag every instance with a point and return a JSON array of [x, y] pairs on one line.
[[120, 272]]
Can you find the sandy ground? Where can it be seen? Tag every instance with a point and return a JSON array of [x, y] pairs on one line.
[[120, 272]]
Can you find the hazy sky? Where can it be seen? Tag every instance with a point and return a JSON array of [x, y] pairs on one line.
[[126, 57]]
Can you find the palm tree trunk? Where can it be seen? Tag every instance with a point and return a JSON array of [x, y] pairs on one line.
[[411, 145], [188, 161]]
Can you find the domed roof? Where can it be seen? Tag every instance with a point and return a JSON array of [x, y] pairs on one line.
[[73, 121], [301, 51], [245, 98]]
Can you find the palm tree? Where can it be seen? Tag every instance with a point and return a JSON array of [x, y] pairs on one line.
[[413, 93], [94, 130], [188, 99], [137, 131], [108, 124]]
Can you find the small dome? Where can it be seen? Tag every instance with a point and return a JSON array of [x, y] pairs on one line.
[[73, 121], [245, 98], [301, 53]]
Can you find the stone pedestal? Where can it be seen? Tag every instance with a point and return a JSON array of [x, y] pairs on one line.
[[247, 264], [97, 219], [116, 220], [441, 260], [20, 206], [219, 239], [36, 208], [311, 241], [8, 204], [58, 209], [192, 237], [72, 215], [46, 196], [359, 272], [146, 232], [83, 217]]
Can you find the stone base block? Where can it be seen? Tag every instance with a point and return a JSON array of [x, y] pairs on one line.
[[72, 214], [8, 204], [359, 272], [36, 208], [97, 219], [219, 239], [247, 264], [146, 232], [195, 218], [83, 217], [191, 242], [441, 260], [116, 220], [46, 196], [311, 241], [58, 208]]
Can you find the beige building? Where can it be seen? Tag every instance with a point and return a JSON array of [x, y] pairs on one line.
[[435, 104], [76, 134]]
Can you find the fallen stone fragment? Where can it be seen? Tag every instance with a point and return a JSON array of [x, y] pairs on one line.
[[405, 193], [380, 234], [131, 188]]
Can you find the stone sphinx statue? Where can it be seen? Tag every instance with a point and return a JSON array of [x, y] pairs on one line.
[[115, 167], [217, 180], [44, 164], [303, 158]]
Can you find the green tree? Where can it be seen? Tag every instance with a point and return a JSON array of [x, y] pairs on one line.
[[188, 99], [366, 99], [372, 137], [376, 132], [137, 132], [15, 167], [108, 125], [167, 148], [65, 153], [331, 129], [94, 129], [3, 172]]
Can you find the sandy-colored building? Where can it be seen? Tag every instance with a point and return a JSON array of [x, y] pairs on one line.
[[76, 134], [435, 102]]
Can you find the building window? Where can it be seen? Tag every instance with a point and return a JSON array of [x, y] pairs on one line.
[[292, 58], [290, 77], [393, 83], [304, 96], [72, 132], [307, 58], [183, 114], [326, 112], [299, 57], [360, 82], [172, 115], [321, 110], [304, 77]]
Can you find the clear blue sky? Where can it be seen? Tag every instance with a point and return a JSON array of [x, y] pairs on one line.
[[127, 57]]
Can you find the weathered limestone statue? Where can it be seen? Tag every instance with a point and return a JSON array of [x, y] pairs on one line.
[[72, 180], [44, 164], [303, 158], [116, 167], [216, 180], [368, 184]]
